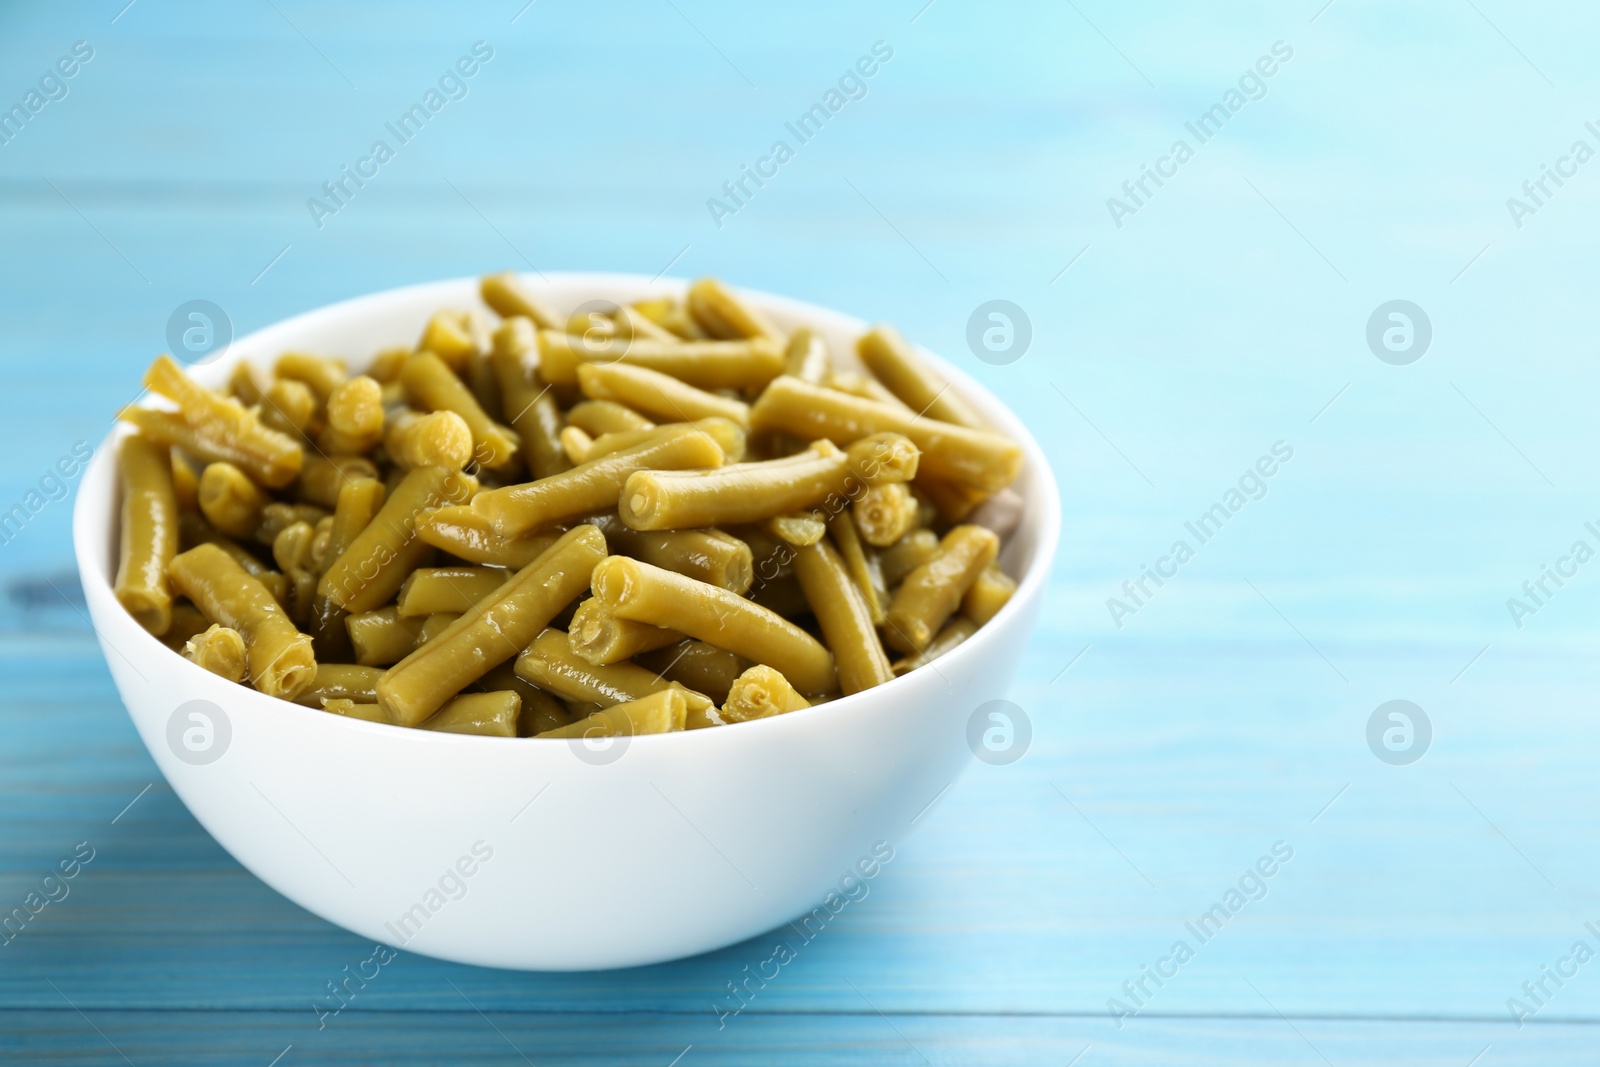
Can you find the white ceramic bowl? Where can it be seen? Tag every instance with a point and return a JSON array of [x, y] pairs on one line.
[[522, 853]]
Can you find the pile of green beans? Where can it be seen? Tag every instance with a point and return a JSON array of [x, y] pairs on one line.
[[667, 516]]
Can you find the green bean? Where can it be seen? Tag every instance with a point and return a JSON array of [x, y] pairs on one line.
[[347, 681], [527, 402], [931, 593], [638, 591], [748, 364], [185, 482], [575, 444], [588, 487], [321, 374], [453, 337], [321, 477], [843, 528], [698, 666], [550, 664], [428, 590], [466, 534], [243, 385], [634, 324], [186, 623], [868, 387], [540, 711], [210, 428], [278, 516], [990, 591], [383, 636], [359, 501], [955, 632], [658, 395], [806, 528], [909, 377], [484, 714], [219, 650], [288, 407], [352, 709], [657, 713], [618, 326], [435, 625], [355, 417], [372, 569], [750, 492], [194, 530], [597, 417], [976, 458], [722, 314], [508, 297], [434, 439], [431, 384], [230, 501], [484, 382], [885, 513], [844, 616], [279, 656], [149, 533], [672, 316], [728, 436], [760, 693], [493, 630], [782, 595], [806, 356], [602, 638], [708, 555], [952, 501], [385, 366], [907, 554]]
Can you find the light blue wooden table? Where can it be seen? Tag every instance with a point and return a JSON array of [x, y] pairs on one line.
[[1177, 336]]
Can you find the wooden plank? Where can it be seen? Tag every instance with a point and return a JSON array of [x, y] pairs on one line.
[[858, 1039]]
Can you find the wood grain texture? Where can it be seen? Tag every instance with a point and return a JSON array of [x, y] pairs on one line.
[[1224, 715]]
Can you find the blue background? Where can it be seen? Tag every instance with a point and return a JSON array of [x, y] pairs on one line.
[[1168, 353]]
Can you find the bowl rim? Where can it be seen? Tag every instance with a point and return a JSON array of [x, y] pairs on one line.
[[1043, 498]]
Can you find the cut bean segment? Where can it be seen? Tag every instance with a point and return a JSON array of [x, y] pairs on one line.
[[638, 591], [483, 714], [844, 617], [429, 590], [431, 385], [749, 492], [931, 593], [211, 427], [658, 713], [493, 630], [592, 486], [550, 664], [465, 533], [658, 395], [219, 650], [746, 364], [957, 631], [976, 458], [380, 557], [434, 439], [909, 377], [761, 693], [601, 638], [509, 297], [722, 313], [526, 401], [279, 657], [149, 533]]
